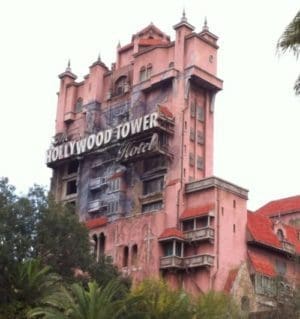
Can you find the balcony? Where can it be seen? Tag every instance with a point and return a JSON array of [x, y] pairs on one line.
[[201, 234], [96, 183], [69, 117], [175, 262], [168, 262], [288, 247], [198, 261], [96, 205]]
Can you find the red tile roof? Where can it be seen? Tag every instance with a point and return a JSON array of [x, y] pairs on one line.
[[197, 211], [262, 264], [260, 228], [171, 233], [165, 111], [230, 280], [292, 236], [281, 206], [96, 222]]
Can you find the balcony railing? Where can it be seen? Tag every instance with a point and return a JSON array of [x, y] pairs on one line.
[[96, 205], [98, 182], [205, 233], [169, 262], [288, 247]]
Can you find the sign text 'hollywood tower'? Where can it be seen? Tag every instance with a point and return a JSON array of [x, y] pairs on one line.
[[97, 140]]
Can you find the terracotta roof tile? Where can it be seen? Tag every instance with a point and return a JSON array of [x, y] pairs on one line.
[[96, 222], [260, 228], [171, 233], [280, 206], [165, 111], [262, 264], [230, 280], [292, 236], [197, 211]]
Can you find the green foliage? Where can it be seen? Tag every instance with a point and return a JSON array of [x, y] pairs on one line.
[[216, 305], [154, 299], [28, 283], [290, 41], [79, 303]]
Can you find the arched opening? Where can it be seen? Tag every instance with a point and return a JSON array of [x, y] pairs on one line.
[[149, 70], [95, 242], [134, 255], [120, 85], [101, 245], [143, 74], [125, 256], [280, 234]]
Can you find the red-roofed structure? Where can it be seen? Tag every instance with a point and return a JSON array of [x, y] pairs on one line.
[[281, 206], [96, 222], [165, 111], [260, 230], [199, 211], [171, 233], [262, 264]]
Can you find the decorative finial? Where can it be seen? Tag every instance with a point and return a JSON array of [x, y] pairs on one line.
[[68, 69], [205, 26], [183, 18], [119, 45], [99, 57]]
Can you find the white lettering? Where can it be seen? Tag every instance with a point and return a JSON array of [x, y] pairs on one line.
[[107, 136], [125, 130], [60, 152], [91, 141], [54, 154], [48, 155], [118, 128], [72, 147], [153, 120], [99, 139], [146, 123], [80, 146], [66, 153], [136, 125]]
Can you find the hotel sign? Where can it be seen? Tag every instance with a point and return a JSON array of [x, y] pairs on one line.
[[104, 138]]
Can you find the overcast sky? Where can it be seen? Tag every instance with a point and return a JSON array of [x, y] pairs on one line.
[[257, 116]]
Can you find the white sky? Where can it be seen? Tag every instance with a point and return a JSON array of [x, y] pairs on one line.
[[257, 116]]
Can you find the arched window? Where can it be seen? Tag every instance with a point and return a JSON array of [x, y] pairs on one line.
[[120, 85], [101, 245], [280, 234], [95, 240], [125, 256], [78, 105], [134, 255], [149, 70], [143, 74]]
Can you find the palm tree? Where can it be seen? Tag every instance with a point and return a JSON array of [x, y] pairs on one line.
[[290, 41], [216, 305], [153, 299], [78, 303]]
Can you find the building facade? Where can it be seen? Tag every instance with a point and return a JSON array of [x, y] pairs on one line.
[[133, 152]]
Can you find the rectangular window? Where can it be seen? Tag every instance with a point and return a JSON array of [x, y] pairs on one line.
[[188, 225], [200, 138], [153, 163], [152, 207], [192, 134], [72, 167], [192, 159], [71, 187], [200, 113], [114, 185], [153, 185], [168, 249], [193, 109], [178, 249], [199, 162]]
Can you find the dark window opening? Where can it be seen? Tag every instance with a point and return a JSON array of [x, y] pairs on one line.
[[134, 255], [178, 249], [121, 85], [71, 187], [143, 74], [125, 256], [153, 185], [78, 105], [233, 228], [95, 244], [149, 71], [152, 207], [280, 234], [234, 203], [154, 163], [245, 303], [188, 225], [168, 249], [73, 167], [201, 222], [101, 244]]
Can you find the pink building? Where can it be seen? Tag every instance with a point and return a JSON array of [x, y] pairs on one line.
[[133, 151]]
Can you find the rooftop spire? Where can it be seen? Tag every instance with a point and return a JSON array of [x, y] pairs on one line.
[[119, 45], [99, 57], [183, 22], [183, 18], [68, 72], [68, 68], [205, 26]]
